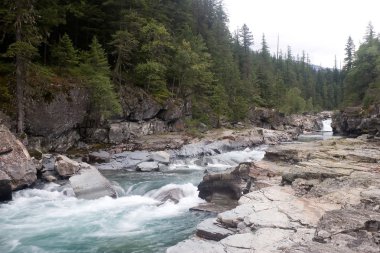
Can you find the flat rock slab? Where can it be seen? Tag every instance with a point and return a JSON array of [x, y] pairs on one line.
[[209, 229], [196, 245], [91, 184]]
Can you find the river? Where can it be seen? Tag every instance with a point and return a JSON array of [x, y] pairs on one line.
[[50, 219]]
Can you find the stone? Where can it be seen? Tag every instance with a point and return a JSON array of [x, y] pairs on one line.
[[209, 229], [48, 162], [161, 156], [66, 167], [16, 162], [169, 193], [99, 157], [231, 183], [147, 166], [89, 183]]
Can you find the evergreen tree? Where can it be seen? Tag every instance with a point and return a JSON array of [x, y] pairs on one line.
[[350, 51], [64, 53], [97, 71]]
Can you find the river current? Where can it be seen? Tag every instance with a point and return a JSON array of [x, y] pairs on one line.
[[50, 219]]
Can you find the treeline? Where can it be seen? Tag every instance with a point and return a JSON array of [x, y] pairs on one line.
[[171, 49], [362, 71]]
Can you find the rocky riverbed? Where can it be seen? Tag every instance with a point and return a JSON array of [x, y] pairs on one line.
[[319, 196]]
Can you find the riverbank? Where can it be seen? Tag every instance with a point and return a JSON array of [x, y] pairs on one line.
[[325, 199]]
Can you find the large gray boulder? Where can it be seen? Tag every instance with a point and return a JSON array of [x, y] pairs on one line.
[[89, 183], [231, 183], [15, 161], [66, 167]]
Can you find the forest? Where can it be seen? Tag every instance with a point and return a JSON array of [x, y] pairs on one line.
[[171, 49]]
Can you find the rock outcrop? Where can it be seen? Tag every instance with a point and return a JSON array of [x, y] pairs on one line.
[[15, 163], [354, 121], [305, 197], [231, 183]]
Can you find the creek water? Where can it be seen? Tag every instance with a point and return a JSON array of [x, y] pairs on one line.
[[325, 133], [51, 219]]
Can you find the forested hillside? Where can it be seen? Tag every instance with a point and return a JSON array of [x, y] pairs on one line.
[[171, 49], [362, 71]]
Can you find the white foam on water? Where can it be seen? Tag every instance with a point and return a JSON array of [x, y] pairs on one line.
[[327, 125]]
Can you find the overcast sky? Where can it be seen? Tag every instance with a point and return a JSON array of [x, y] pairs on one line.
[[319, 27]]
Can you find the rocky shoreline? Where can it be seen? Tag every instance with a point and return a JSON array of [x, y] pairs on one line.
[[305, 197]]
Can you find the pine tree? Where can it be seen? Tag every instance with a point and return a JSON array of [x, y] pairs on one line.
[[64, 53], [350, 51], [96, 68]]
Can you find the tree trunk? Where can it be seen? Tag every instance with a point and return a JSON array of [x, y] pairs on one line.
[[20, 77]]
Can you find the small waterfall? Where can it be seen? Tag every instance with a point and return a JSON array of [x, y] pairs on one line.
[[327, 125]]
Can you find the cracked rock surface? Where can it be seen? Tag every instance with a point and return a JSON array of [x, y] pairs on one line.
[[313, 197]]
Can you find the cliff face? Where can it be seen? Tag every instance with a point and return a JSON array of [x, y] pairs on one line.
[[354, 121], [59, 120]]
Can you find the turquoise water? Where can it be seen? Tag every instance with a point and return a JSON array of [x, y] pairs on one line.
[[51, 219]]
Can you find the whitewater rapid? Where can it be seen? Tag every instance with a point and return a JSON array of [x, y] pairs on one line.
[[51, 219]]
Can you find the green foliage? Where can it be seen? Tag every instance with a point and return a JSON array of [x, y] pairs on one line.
[[293, 102], [175, 49], [64, 54], [151, 76], [97, 73]]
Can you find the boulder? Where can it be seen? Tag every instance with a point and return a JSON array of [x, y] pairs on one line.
[[66, 167], [161, 156], [89, 183], [99, 157], [231, 183], [147, 166], [48, 162], [15, 161]]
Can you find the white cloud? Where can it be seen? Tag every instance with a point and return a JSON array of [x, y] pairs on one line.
[[319, 27]]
